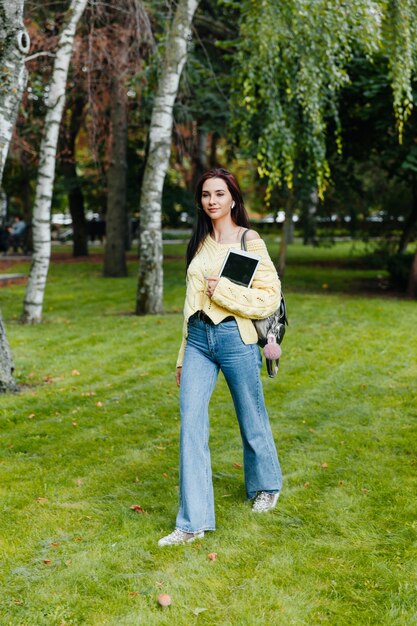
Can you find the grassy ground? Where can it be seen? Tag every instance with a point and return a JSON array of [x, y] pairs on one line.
[[95, 431]]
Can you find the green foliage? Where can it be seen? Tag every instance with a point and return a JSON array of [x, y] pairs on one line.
[[399, 267], [205, 85], [383, 254], [375, 173], [95, 430], [401, 35], [291, 64]]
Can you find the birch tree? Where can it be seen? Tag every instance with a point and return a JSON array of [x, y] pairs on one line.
[[150, 281], [41, 230], [14, 46], [7, 382]]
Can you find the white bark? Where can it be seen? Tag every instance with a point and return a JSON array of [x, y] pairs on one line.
[[41, 230], [150, 283], [14, 46], [7, 382]]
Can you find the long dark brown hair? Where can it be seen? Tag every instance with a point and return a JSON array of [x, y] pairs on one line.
[[204, 226]]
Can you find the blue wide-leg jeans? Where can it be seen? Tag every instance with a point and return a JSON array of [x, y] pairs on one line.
[[210, 348]]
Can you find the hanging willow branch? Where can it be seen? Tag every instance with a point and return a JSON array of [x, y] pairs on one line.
[[292, 61]]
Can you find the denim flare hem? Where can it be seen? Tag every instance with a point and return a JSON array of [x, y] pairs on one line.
[[200, 530], [263, 491]]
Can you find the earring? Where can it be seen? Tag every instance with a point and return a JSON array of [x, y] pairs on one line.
[[233, 205]]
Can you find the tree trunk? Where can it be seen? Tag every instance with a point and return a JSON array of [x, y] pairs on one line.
[[282, 260], [3, 207], [41, 229], [409, 224], [74, 190], [26, 190], [76, 208], [310, 212], [213, 162], [7, 382], [287, 235], [150, 284], [200, 157], [13, 50], [412, 281], [116, 220]]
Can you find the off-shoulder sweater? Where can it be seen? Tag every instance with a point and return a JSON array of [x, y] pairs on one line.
[[245, 304]]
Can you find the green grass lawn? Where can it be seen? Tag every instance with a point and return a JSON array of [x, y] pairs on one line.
[[95, 429]]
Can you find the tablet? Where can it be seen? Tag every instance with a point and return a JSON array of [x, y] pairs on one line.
[[240, 266]]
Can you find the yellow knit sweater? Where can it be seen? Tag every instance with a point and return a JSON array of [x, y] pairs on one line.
[[256, 302]]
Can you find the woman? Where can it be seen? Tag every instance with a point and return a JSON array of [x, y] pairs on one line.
[[219, 335]]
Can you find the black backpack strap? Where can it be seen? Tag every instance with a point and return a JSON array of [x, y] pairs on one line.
[[243, 239]]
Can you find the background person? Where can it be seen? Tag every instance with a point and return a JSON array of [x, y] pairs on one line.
[[219, 335], [16, 232]]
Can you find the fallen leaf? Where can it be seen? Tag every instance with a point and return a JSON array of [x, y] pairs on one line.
[[306, 485], [160, 583], [99, 403], [40, 499], [134, 593], [237, 466], [78, 482], [75, 424], [324, 465], [364, 490], [165, 475], [164, 599], [137, 508], [199, 610], [31, 416], [55, 544], [75, 373], [17, 601], [212, 556], [47, 562]]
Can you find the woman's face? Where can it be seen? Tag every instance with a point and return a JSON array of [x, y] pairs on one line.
[[216, 198]]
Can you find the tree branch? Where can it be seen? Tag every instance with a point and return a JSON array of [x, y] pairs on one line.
[[44, 53]]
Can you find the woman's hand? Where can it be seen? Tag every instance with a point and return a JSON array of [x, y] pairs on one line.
[[211, 284], [178, 376]]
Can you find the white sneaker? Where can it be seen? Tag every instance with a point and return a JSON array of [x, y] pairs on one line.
[[264, 502], [178, 537]]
